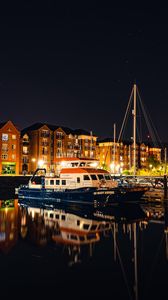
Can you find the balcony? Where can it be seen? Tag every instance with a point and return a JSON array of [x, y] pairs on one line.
[[25, 142], [45, 134], [44, 152], [25, 152], [4, 150], [25, 160]]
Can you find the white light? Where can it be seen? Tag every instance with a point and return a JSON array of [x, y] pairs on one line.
[[112, 166], [94, 164], [40, 163], [63, 163]]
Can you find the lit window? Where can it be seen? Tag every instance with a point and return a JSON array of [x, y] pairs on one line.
[[13, 136], [4, 156], [4, 137], [13, 156], [13, 147], [4, 147], [25, 149]]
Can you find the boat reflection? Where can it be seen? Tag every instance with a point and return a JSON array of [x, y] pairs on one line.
[[75, 231]]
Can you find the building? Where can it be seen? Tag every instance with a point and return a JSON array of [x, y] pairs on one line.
[[118, 157], [45, 145], [9, 148]]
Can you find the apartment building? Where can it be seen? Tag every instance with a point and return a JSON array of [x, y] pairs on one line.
[[117, 157], [46, 145], [9, 148]]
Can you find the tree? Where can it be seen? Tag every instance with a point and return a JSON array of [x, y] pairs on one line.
[[152, 161]]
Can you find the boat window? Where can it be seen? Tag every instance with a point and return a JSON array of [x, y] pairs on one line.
[[91, 236], [57, 182], [93, 227], [46, 214], [63, 182], [85, 226], [51, 182], [94, 177], [57, 216], [73, 237], [100, 176], [86, 177], [78, 179], [107, 177], [63, 217], [46, 182], [51, 216], [82, 238], [82, 164], [75, 164], [78, 222]]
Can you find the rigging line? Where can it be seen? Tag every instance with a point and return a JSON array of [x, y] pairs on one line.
[[147, 121], [156, 133], [151, 126], [124, 123], [126, 118], [122, 268], [139, 134], [140, 121], [128, 108], [146, 117]]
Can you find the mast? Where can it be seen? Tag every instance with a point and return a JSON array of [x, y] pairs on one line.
[[91, 144], [134, 130], [165, 160]]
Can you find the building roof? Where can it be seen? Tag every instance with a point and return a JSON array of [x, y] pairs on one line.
[[110, 140], [81, 132], [2, 124], [52, 127]]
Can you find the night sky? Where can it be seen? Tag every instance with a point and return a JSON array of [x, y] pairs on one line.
[[75, 65]]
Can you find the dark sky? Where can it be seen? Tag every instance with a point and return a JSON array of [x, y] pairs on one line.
[[74, 65]]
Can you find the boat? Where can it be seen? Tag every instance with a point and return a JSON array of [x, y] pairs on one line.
[[79, 181]]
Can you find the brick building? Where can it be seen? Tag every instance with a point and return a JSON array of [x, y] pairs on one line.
[[45, 144], [9, 148], [119, 156]]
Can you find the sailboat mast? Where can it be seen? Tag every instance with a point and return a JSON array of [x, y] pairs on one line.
[[134, 130]]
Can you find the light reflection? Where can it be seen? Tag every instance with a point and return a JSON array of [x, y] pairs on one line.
[[78, 231]]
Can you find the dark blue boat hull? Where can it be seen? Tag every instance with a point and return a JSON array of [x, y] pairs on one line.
[[82, 195]]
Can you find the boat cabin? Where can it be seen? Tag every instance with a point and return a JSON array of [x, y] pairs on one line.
[[76, 174]]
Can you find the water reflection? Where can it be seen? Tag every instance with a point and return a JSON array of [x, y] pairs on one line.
[[79, 233], [8, 224]]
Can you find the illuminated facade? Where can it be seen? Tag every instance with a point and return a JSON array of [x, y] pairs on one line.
[[118, 157], [43, 145], [9, 149]]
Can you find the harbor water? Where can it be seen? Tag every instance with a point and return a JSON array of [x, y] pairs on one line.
[[118, 252]]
